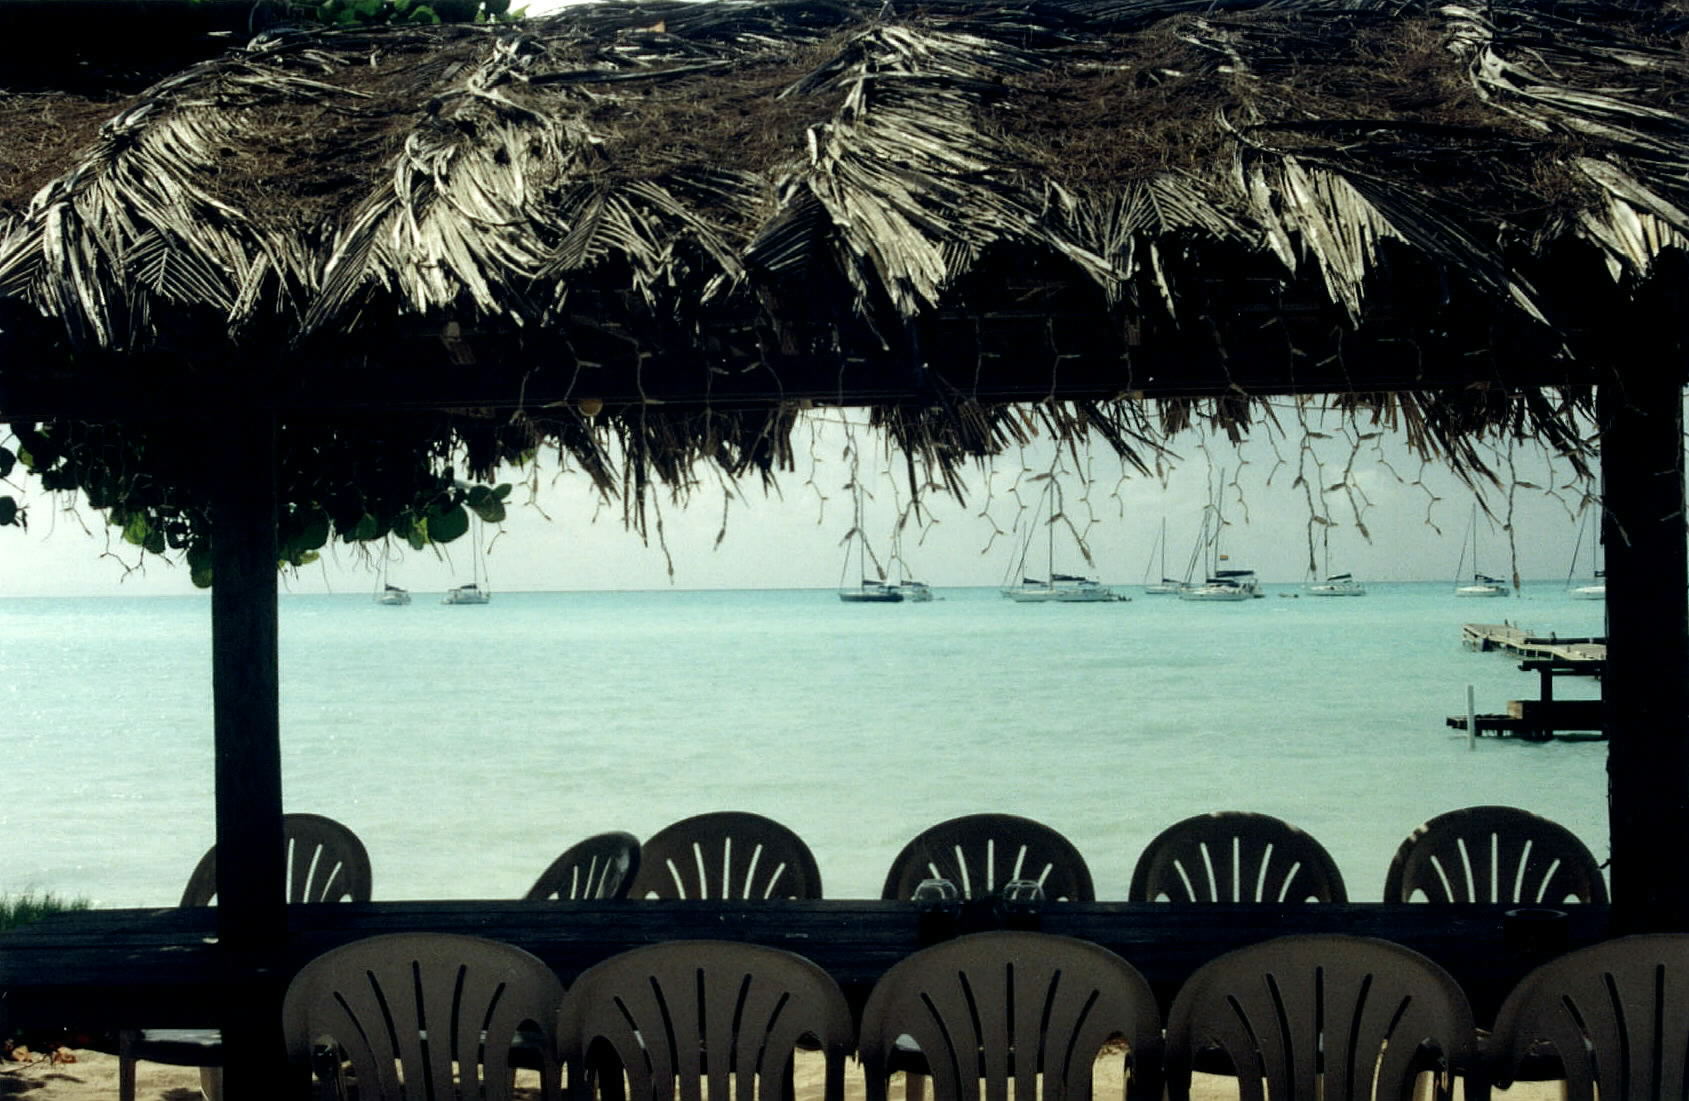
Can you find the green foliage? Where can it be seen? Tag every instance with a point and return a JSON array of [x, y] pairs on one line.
[[358, 483], [488, 503], [22, 909], [10, 512]]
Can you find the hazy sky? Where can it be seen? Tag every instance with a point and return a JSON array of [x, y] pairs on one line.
[[561, 537]]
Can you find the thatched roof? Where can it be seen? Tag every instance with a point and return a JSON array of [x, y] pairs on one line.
[[675, 225]]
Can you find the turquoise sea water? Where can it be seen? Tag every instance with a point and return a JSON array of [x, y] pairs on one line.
[[468, 745]]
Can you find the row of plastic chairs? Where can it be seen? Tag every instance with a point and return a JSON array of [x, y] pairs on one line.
[[1475, 854], [1332, 1017], [1480, 853]]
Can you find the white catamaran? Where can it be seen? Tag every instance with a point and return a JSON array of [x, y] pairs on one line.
[[1335, 584], [390, 594], [1482, 584], [1222, 584], [1054, 588], [475, 592]]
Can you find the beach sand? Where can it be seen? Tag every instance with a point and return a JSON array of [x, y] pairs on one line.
[[93, 1077]]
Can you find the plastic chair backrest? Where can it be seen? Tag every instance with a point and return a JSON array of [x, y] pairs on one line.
[[715, 1017], [325, 863], [1616, 1013], [726, 854], [1494, 854], [982, 853], [600, 866], [408, 1011], [1329, 1016], [1235, 856], [1007, 1007]]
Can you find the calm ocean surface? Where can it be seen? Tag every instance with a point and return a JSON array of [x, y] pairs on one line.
[[469, 745]]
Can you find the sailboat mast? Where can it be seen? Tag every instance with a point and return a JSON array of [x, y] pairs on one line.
[[1476, 572], [1219, 525], [1050, 544]]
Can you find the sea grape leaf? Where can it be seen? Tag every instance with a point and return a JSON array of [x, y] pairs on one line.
[[486, 503], [447, 524], [199, 565], [7, 461], [37, 449], [8, 512], [315, 532], [135, 531]]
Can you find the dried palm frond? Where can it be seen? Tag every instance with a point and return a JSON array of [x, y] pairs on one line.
[[692, 219]]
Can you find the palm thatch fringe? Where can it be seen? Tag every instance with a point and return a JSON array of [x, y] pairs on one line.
[[660, 230]]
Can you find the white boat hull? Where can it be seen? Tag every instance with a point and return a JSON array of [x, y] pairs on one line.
[[1335, 588], [1590, 592], [461, 596], [1216, 593], [1087, 593], [1481, 590], [1227, 587]]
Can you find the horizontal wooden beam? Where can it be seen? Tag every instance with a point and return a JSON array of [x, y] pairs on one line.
[[113, 968]]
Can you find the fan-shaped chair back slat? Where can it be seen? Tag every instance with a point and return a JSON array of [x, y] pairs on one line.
[[421, 1015], [1235, 856], [983, 853], [1494, 854], [726, 854], [325, 863], [698, 1017], [1616, 1013], [1336, 1017], [600, 866], [991, 1009]]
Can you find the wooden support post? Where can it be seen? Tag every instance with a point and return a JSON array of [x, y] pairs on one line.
[[251, 871], [1645, 686]]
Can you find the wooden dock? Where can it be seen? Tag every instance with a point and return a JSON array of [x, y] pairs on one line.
[[1585, 653], [1541, 721], [1548, 656]]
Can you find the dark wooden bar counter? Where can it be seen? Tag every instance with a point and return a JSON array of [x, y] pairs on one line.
[[104, 969]]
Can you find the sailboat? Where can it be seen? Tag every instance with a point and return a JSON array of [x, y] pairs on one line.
[[1167, 585], [390, 594], [472, 593], [1335, 584], [868, 590], [1055, 588], [1482, 584], [915, 592], [1597, 590], [1223, 585]]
